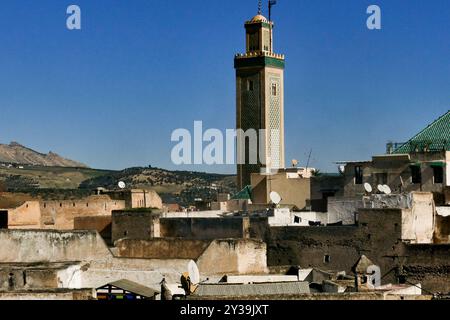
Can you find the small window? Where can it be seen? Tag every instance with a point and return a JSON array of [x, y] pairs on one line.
[[250, 85], [416, 175], [326, 258], [274, 89], [358, 175], [438, 174]]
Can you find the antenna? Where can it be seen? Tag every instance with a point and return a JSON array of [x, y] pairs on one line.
[[275, 197], [368, 187], [121, 185], [309, 158]]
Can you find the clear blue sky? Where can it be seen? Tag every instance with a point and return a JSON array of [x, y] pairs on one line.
[[111, 94]]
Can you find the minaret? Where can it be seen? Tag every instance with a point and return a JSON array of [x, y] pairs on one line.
[[260, 99]]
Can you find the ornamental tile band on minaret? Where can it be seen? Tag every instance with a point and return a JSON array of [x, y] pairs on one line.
[[260, 100]]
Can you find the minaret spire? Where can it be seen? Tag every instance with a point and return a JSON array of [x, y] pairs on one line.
[[260, 7]]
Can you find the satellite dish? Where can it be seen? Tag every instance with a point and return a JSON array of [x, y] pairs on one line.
[[387, 190], [380, 188], [121, 185], [341, 169], [275, 197], [194, 273], [294, 163], [368, 187]]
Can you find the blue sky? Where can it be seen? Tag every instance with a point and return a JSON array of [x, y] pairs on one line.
[[111, 94]]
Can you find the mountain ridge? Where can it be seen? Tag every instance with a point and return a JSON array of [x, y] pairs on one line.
[[16, 153]]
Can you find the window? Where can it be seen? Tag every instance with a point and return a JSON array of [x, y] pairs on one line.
[[416, 175], [438, 174], [327, 258], [274, 89], [381, 178], [250, 85], [358, 175]]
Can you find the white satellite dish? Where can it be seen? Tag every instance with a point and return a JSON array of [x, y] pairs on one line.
[[380, 188], [294, 163], [275, 197], [387, 190], [341, 169], [194, 273], [368, 187], [121, 185]]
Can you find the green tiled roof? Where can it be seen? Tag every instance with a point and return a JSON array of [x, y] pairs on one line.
[[244, 194], [435, 137]]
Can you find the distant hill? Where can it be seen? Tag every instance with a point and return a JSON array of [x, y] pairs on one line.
[[181, 187], [15, 153]]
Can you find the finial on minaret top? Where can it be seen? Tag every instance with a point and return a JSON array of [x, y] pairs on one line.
[[260, 7]]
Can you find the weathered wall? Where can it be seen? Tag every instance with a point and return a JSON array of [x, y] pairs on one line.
[[141, 225], [102, 224], [245, 256], [162, 248], [28, 246], [90, 263], [418, 222], [26, 216], [137, 198], [61, 214], [230, 256], [202, 228]]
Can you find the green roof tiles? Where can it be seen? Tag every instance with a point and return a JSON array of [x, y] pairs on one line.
[[435, 137]]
